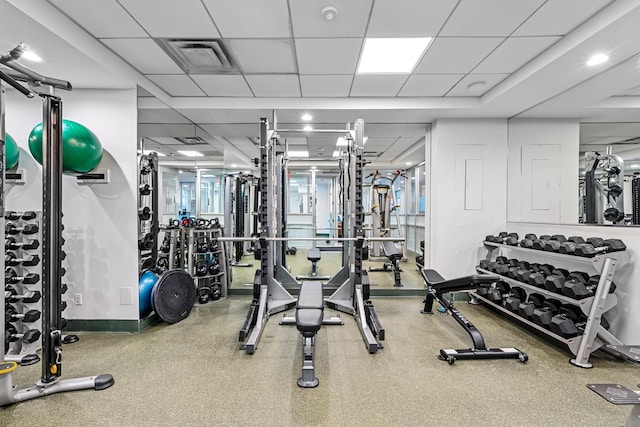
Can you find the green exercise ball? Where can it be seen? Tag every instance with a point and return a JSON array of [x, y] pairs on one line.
[[81, 148], [11, 152]]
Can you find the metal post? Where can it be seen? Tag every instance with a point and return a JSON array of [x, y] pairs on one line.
[[2, 172], [312, 200]]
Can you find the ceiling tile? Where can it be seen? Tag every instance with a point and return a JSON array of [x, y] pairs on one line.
[[514, 53], [488, 17], [251, 18], [177, 85], [222, 85], [239, 115], [325, 86], [559, 17], [274, 85], [429, 84], [143, 54], [170, 18], [260, 56], [490, 80], [377, 85], [351, 20], [160, 116], [409, 18], [455, 55], [328, 56], [101, 18]]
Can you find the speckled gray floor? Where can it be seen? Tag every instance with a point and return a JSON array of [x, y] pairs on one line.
[[192, 373]]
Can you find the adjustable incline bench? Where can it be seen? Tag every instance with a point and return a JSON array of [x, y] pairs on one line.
[[314, 256], [394, 255], [437, 286], [309, 314]]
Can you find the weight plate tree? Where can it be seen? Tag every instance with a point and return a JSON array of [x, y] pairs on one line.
[[50, 381], [148, 225]]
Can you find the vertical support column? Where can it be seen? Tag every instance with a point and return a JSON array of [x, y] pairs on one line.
[[155, 222], [51, 237], [356, 196], [265, 262], [228, 208], [2, 171], [314, 210], [198, 186]]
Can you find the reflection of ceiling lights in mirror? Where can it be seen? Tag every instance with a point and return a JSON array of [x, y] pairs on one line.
[[307, 128], [336, 154], [597, 59], [342, 141], [298, 153], [409, 163], [306, 117], [190, 153], [634, 166]]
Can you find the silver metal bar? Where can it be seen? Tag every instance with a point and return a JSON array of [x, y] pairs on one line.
[[304, 239], [342, 131]]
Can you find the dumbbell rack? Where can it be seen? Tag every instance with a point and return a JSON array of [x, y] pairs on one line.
[[148, 210], [22, 352], [594, 335], [205, 284]]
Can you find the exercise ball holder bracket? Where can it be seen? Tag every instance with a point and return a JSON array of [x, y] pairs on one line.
[[18, 177], [99, 176]]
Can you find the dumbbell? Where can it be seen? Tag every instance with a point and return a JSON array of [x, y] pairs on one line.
[[28, 337], [11, 277], [553, 244], [595, 245], [482, 290], [145, 189], [526, 309], [12, 315], [484, 264], [27, 229], [63, 288], [514, 298], [613, 214], [580, 289], [10, 243], [11, 295], [523, 266], [542, 316], [496, 293], [539, 274], [564, 323], [14, 216], [555, 281], [523, 274], [573, 283], [146, 243], [12, 260], [505, 238], [527, 242], [569, 247], [144, 213], [291, 250]]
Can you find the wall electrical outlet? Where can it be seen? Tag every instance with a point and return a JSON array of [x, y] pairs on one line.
[[77, 299]]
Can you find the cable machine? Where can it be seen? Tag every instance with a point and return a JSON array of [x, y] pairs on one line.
[[383, 205], [603, 188], [50, 381], [239, 192]]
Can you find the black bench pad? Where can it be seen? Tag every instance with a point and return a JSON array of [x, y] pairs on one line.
[[310, 296], [308, 320], [314, 255], [391, 251], [440, 285]]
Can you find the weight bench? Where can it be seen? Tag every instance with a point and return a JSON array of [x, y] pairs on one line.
[[314, 256], [309, 314], [394, 255], [437, 286]]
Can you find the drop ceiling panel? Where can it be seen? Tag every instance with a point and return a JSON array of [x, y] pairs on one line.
[[429, 84], [326, 85], [448, 55], [351, 20], [222, 84], [143, 54], [489, 17], [409, 18], [160, 116], [274, 85], [251, 18], [257, 56], [559, 17], [377, 85], [233, 130], [177, 85], [514, 53], [170, 18], [104, 18], [328, 56], [463, 89]]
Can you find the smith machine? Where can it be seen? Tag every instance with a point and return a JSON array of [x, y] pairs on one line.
[[50, 381], [269, 294]]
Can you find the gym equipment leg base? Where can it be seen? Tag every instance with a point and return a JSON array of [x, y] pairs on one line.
[[41, 389], [450, 356]]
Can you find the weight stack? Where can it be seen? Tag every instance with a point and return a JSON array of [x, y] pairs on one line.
[[635, 199]]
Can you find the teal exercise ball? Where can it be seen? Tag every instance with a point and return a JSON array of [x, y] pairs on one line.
[[11, 152], [81, 148], [146, 283]]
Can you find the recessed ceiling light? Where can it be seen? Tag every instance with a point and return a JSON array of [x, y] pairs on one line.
[[179, 171], [391, 55], [343, 142], [298, 154], [597, 59], [234, 165], [31, 56], [306, 117], [409, 163], [307, 128], [329, 13], [190, 153]]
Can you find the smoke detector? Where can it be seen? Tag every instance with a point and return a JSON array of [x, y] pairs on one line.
[[329, 13]]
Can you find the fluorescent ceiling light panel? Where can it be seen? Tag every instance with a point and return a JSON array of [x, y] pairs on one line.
[[190, 153], [306, 117], [298, 154], [391, 55], [343, 142], [597, 59], [307, 128]]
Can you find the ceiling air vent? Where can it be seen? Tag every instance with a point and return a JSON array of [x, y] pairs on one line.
[[208, 56], [190, 140]]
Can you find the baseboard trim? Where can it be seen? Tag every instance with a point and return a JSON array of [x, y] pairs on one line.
[[112, 326]]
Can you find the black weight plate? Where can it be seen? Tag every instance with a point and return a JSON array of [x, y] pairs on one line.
[[173, 296]]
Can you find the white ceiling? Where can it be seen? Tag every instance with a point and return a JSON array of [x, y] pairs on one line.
[[489, 58]]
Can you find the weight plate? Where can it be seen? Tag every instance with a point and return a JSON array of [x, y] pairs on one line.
[[173, 296]]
